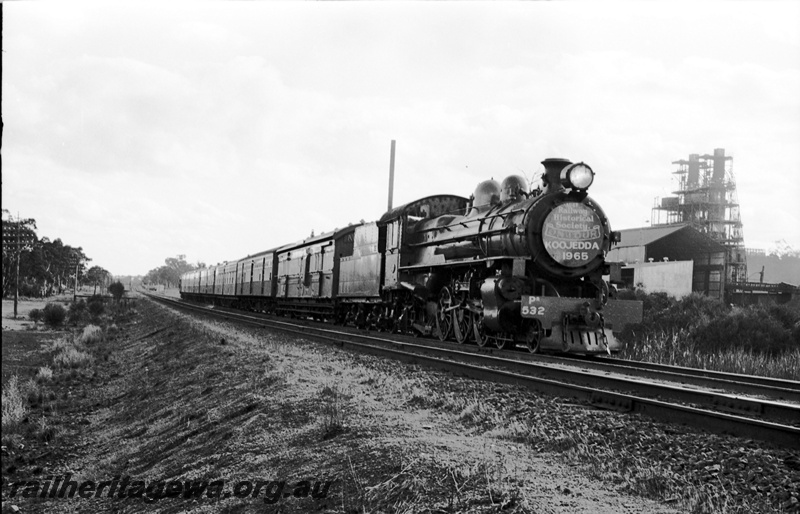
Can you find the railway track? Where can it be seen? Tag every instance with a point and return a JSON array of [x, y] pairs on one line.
[[662, 392], [788, 390]]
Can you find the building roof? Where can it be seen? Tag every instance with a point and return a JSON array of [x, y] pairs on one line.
[[682, 235]]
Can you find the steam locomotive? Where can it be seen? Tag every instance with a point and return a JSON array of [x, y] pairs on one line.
[[505, 267]]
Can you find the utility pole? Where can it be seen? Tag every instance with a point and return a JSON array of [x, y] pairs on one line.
[[391, 177]]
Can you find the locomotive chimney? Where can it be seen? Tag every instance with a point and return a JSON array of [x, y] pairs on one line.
[[552, 173], [391, 177]]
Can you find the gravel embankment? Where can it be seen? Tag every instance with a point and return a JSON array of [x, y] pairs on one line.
[[626, 454]]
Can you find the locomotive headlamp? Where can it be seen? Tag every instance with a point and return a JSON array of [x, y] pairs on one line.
[[577, 176]]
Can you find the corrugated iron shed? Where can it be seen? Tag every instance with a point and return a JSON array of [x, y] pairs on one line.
[[675, 242], [679, 242]]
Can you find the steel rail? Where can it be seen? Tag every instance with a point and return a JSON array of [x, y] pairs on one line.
[[750, 385], [775, 388], [724, 402], [778, 384], [784, 435], [719, 399]]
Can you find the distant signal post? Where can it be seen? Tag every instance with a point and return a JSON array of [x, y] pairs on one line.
[[16, 236]]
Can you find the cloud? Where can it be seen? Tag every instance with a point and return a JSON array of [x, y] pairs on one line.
[[221, 130]]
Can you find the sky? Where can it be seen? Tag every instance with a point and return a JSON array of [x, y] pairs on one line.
[[142, 131]]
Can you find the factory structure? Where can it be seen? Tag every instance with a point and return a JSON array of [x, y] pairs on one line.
[[695, 241], [705, 199]]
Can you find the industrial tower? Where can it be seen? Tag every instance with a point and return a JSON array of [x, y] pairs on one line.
[[706, 199]]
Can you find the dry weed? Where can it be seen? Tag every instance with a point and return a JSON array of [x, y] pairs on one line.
[[14, 408], [44, 374], [91, 334], [44, 431], [60, 344], [72, 358], [32, 392], [112, 330], [334, 411]]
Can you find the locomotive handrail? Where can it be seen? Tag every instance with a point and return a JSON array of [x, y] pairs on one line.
[[476, 220], [448, 227], [428, 266], [462, 238]]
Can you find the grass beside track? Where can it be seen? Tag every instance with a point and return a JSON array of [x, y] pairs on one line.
[[701, 332]]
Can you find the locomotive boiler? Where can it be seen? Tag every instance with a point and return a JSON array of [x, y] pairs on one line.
[[506, 266]]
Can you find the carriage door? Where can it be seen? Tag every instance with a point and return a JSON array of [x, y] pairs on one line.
[[306, 289], [392, 262]]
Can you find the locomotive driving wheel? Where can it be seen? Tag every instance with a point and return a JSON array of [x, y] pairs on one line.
[[504, 341], [462, 324], [444, 322], [533, 339], [479, 330]]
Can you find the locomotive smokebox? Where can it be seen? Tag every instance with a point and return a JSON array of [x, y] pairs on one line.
[[552, 173]]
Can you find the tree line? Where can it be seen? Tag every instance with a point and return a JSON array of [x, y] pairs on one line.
[[169, 274], [44, 267], [48, 267]]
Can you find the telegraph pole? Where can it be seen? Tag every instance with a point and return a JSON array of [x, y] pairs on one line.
[[16, 277]]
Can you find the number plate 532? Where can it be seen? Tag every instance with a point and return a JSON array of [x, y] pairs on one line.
[[532, 307], [532, 311]]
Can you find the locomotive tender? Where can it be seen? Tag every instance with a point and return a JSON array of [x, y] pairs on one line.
[[504, 267]]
